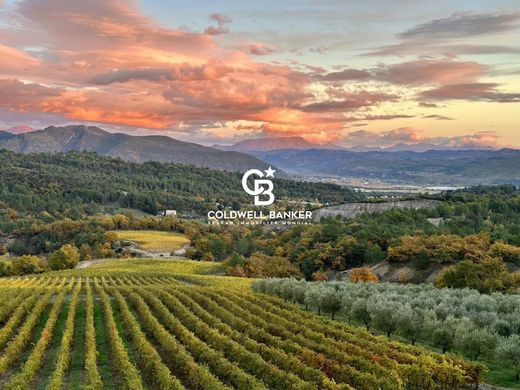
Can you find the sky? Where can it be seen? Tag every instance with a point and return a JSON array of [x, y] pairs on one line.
[[351, 73]]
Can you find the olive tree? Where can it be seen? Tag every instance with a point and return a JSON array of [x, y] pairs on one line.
[[508, 352]]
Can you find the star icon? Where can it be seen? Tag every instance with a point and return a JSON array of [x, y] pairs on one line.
[[270, 172]]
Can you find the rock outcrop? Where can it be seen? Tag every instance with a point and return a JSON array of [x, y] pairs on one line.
[[350, 210]]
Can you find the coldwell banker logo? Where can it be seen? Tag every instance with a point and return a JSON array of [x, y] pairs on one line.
[[261, 187], [262, 191]]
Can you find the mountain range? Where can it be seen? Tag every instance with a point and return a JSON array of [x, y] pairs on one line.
[[130, 148], [432, 167], [299, 143], [452, 167], [278, 143]]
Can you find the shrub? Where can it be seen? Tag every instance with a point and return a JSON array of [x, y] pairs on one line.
[[362, 274], [27, 265], [66, 257]]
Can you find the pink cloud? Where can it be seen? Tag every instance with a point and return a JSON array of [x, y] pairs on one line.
[[222, 22], [471, 91], [431, 71], [260, 49], [413, 136]]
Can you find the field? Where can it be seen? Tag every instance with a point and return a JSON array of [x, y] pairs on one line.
[[153, 241], [148, 324]]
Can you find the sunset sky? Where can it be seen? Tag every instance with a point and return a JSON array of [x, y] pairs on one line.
[[372, 73]]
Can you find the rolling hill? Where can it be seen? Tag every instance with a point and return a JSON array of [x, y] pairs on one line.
[[130, 148]]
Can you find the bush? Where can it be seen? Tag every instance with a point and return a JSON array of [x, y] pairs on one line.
[[487, 276], [66, 257], [27, 265], [362, 274]]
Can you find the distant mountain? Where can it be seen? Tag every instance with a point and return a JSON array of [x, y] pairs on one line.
[[20, 129], [266, 144], [129, 148], [433, 167], [5, 135], [418, 147], [424, 147]]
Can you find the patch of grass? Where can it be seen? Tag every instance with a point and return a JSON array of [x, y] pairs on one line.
[[500, 375], [148, 267], [76, 370], [54, 348], [153, 241], [102, 347]]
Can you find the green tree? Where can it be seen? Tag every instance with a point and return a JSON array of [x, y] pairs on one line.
[[508, 352], [66, 257]]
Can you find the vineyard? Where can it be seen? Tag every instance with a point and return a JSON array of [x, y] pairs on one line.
[[153, 241], [139, 328]]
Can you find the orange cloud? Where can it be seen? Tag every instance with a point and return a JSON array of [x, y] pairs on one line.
[[104, 61]]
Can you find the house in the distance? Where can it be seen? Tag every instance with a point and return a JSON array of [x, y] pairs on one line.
[[167, 213]]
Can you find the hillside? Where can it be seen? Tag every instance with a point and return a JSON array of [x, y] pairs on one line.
[[129, 148], [433, 167], [4, 135], [88, 181], [132, 325]]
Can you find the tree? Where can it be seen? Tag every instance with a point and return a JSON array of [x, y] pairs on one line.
[[319, 276], [27, 265], [506, 252], [476, 342], [508, 352], [374, 254], [486, 276], [444, 334], [329, 300], [312, 298], [362, 274], [66, 257], [85, 252], [411, 323], [359, 312], [385, 316]]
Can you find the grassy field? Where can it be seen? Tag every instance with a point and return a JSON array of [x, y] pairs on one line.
[[153, 241], [168, 325]]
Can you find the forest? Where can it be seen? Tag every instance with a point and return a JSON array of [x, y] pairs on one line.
[[74, 184]]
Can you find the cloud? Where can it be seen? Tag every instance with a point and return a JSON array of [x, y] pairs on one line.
[[460, 25], [259, 49], [385, 139], [385, 117], [438, 117], [222, 22], [349, 101], [431, 71], [346, 74], [428, 105], [25, 97], [412, 136], [471, 91], [433, 37], [480, 139], [213, 69]]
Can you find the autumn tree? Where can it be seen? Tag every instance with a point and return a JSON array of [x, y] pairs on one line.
[[66, 257], [363, 274]]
